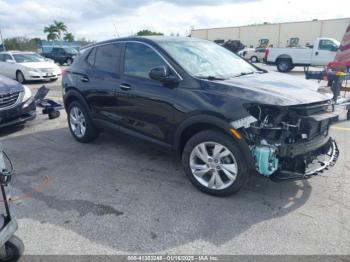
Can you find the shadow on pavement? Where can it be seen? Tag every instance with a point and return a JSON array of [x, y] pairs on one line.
[[133, 197]]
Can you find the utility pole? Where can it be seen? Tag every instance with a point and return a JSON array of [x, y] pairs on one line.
[[2, 41], [116, 31]]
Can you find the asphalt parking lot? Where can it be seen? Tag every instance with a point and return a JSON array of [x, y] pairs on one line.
[[120, 195]]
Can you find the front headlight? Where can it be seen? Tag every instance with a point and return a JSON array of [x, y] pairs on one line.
[[27, 93]]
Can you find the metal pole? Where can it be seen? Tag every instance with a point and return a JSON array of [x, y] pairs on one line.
[[2, 41]]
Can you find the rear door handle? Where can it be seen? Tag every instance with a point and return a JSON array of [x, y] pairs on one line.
[[125, 87], [84, 79], [316, 53]]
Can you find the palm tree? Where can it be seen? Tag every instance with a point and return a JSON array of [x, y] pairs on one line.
[[60, 28], [51, 31], [69, 37]]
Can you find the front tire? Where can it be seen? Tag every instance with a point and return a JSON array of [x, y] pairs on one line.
[[254, 59], [20, 77], [214, 163], [80, 124], [14, 249]]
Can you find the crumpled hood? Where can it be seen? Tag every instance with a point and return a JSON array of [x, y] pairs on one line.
[[40, 65], [8, 85], [274, 89]]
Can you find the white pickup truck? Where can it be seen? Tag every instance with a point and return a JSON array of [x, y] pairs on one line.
[[321, 53]]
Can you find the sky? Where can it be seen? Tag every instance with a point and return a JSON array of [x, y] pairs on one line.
[[104, 19]]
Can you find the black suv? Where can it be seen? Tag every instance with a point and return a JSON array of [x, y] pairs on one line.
[[225, 117], [62, 55]]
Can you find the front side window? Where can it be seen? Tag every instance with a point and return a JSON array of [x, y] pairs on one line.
[[204, 58], [327, 45], [23, 58], [8, 57], [140, 59], [2, 58], [107, 57]]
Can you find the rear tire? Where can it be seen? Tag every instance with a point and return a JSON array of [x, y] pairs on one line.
[[284, 65], [69, 61], [227, 170], [80, 123], [20, 77]]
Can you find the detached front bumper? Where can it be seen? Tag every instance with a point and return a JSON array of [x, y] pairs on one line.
[[18, 114], [311, 162]]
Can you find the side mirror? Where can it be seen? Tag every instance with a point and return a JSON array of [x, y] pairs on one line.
[[162, 74], [10, 61]]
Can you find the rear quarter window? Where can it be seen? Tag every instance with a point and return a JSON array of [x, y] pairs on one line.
[[107, 57]]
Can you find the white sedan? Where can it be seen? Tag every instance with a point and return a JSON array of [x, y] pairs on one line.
[[27, 66]]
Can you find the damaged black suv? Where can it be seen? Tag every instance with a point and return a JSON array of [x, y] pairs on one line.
[[225, 117]]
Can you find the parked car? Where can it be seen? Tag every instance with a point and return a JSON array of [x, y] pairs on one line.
[[27, 66], [224, 117], [244, 51], [255, 55], [320, 54], [62, 55], [17, 104]]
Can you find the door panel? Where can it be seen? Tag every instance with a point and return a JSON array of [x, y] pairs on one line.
[[144, 105], [100, 79], [324, 53]]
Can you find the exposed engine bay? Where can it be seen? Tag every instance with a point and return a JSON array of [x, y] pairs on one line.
[[291, 142]]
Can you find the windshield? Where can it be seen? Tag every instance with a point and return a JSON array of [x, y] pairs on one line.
[[207, 59], [71, 50], [29, 57]]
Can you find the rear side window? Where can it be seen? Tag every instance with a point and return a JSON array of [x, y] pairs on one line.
[[107, 57], [91, 57], [140, 59], [2, 58], [7, 57]]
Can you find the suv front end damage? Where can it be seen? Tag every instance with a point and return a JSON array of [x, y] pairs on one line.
[[290, 142]]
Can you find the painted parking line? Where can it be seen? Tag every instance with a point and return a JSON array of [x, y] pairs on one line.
[[340, 128]]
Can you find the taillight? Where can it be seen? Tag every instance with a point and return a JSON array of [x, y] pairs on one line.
[[267, 51]]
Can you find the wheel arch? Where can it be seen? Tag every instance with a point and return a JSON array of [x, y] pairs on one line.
[[284, 56], [74, 95], [199, 123]]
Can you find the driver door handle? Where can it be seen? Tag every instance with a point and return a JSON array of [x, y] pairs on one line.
[[316, 53], [84, 79], [125, 87]]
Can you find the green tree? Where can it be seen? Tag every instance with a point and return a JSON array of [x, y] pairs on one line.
[[61, 28], [146, 32], [55, 31], [51, 31], [69, 37], [21, 43]]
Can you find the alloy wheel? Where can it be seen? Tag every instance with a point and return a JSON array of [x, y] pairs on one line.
[[20, 77], [213, 165], [77, 122]]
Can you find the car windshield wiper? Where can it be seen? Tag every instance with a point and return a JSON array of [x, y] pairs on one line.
[[212, 78], [244, 74]]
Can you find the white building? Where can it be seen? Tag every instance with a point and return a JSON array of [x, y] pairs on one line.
[[278, 34]]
